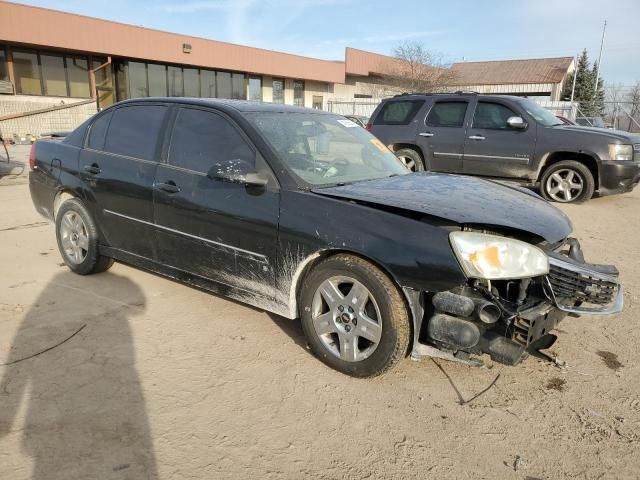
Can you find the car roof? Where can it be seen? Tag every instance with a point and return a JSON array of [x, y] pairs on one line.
[[244, 106]]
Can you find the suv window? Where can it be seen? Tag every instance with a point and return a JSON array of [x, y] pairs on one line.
[[98, 131], [492, 115], [134, 131], [399, 112], [447, 114], [201, 139]]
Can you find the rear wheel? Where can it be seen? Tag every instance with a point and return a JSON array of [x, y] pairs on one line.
[[567, 181], [77, 237], [354, 317], [411, 159]]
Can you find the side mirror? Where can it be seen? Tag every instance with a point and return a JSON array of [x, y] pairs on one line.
[[516, 122], [237, 171]]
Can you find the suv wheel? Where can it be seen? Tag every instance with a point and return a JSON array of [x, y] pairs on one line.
[[77, 237], [567, 182], [411, 159], [354, 316]]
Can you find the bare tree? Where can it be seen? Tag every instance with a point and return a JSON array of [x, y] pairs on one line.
[[614, 94], [632, 102], [417, 69]]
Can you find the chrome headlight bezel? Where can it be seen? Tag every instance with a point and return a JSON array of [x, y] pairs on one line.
[[621, 151], [494, 257]]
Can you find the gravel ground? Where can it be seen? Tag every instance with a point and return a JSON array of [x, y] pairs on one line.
[[153, 379]]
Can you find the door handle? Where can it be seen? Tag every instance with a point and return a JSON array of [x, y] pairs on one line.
[[426, 134], [93, 169], [169, 187], [477, 137]]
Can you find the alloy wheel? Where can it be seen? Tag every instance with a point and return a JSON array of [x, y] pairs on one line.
[[408, 162], [346, 318], [565, 185], [74, 237]]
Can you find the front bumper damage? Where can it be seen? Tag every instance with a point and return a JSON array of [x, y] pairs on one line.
[[507, 319]]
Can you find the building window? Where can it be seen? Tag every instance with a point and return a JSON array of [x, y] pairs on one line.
[[157, 75], [27, 71], [4, 74], [239, 86], [53, 74], [191, 82], [138, 80], [298, 93], [224, 84], [175, 81], [278, 90], [207, 83], [47, 73], [78, 74], [255, 89]]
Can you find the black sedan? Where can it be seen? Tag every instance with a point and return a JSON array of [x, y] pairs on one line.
[[306, 215]]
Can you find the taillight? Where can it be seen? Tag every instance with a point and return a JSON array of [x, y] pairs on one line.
[[368, 127], [32, 157]]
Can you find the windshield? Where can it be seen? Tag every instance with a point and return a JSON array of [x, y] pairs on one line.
[[541, 114], [326, 149]]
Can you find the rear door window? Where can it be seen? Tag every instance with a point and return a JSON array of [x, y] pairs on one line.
[[398, 112], [98, 131], [134, 130], [447, 114], [492, 116], [202, 139]]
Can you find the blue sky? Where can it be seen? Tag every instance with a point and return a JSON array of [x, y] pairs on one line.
[[475, 30]]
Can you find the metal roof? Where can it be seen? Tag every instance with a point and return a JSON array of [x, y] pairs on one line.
[[501, 72]]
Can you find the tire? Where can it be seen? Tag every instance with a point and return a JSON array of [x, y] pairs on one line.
[[557, 180], [411, 159], [77, 238], [377, 328]]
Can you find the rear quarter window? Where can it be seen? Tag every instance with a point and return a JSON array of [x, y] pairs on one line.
[[98, 131], [399, 112]]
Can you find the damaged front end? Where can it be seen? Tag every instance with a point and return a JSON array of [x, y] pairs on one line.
[[507, 318]]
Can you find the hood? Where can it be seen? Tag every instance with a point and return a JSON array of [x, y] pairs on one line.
[[624, 137], [462, 200]]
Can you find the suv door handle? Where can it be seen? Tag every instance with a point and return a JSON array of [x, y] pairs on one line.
[[93, 169], [169, 187], [477, 137], [426, 134]]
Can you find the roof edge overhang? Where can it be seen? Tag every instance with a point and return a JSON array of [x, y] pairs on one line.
[[106, 37]]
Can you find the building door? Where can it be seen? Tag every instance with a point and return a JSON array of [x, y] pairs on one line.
[[317, 102]]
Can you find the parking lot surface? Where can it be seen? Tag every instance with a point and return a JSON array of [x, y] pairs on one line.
[[128, 375]]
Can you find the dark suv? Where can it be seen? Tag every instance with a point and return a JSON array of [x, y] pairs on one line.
[[509, 138]]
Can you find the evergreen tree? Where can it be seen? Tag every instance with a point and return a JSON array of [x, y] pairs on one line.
[[590, 101]]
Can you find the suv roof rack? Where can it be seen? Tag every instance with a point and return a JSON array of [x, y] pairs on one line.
[[459, 92]]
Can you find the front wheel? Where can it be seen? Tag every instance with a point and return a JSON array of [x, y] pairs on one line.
[[354, 316], [77, 237], [567, 182]]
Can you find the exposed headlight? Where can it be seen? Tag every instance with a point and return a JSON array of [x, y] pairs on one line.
[[494, 257], [620, 152], [636, 147]]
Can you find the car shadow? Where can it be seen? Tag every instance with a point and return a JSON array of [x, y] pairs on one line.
[[71, 369], [293, 328]]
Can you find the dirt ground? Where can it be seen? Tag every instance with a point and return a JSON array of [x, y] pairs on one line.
[[153, 379]]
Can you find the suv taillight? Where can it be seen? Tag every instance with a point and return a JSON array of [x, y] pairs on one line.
[[368, 127], [32, 157]]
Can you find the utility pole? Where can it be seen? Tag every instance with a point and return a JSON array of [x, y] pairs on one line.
[[595, 88]]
